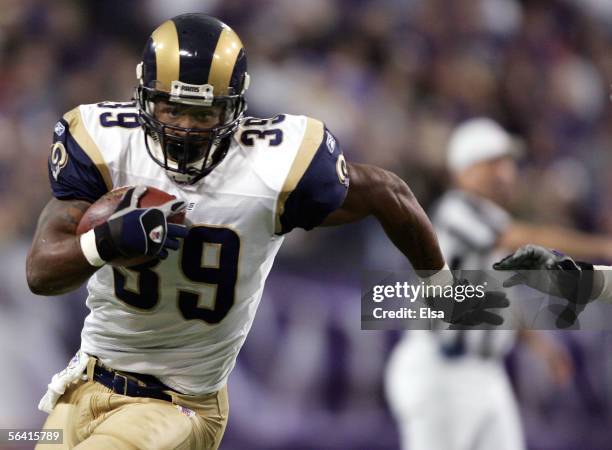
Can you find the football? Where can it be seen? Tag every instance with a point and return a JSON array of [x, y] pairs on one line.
[[106, 205]]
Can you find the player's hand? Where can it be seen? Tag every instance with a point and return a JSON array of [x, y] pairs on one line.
[[470, 311], [552, 273], [132, 231]]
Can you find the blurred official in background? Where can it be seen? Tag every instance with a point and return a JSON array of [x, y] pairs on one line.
[[449, 389]]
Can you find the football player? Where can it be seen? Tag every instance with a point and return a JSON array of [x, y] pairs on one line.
[[161, 338]]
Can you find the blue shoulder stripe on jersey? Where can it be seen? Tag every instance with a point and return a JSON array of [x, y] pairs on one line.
[[320, 191], [72, 173]]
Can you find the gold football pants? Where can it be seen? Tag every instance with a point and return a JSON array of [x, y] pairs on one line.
[[94, 417]]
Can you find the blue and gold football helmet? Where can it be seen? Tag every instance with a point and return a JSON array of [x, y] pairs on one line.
[[196, 60]]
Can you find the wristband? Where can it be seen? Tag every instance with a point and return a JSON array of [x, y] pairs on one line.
[[90, 249], [606, 277], [585, 286], [443, 277]]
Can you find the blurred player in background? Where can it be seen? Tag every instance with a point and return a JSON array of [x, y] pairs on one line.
[[162, 337], [448, 389]]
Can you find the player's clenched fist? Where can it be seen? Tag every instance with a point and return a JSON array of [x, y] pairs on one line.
[[132, 232]]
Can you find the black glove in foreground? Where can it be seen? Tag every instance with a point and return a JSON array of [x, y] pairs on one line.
[[472, 310], [552, 273], [132, 231]]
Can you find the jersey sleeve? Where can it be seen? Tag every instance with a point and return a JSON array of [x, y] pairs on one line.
[[317, 182], [76, 168]]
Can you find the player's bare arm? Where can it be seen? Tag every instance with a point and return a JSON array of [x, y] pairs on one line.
[[383, 194], [61, 259], [55, 263]]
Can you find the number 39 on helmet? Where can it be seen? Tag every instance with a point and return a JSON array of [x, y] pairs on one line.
[[195, 60]]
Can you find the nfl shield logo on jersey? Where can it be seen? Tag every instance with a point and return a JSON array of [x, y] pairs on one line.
[[59, 128], [330, 141]]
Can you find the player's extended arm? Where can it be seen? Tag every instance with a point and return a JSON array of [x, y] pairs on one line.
[[55, 263], [557, 274], [579, 245], [384, 195]]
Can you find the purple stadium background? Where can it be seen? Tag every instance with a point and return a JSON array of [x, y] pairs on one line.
[[390, 78]]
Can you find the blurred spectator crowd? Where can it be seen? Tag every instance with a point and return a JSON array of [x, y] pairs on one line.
[[390, 78]]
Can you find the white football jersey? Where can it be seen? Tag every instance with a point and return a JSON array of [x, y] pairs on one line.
[[184, 319]]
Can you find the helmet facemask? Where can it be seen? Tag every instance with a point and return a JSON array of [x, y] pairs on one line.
[[188, 154]]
